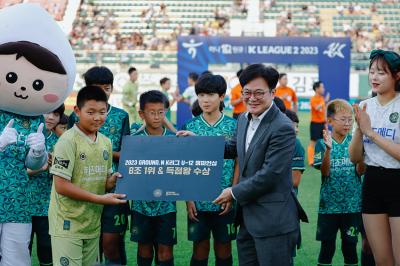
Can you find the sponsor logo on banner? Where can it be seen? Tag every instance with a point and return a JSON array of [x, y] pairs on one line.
[[335, 49], [191, 47]]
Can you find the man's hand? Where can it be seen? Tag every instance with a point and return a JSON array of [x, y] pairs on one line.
[[226, 208], [111, 199], [192, 211], [225, 199], [185, 133]]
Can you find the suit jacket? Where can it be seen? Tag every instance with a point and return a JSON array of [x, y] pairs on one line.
[[264, 193]]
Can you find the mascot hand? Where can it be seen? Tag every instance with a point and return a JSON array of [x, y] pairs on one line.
[[8, 136], [37, 142]]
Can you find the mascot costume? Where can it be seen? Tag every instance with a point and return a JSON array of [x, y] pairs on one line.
[[37, 72]]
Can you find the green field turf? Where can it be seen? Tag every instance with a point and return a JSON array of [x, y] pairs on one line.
[[308, 195]]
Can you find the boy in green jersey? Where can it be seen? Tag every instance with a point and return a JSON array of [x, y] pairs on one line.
[[206, 217], [114, 219], [340, 195], [82, 174], [153, 222]]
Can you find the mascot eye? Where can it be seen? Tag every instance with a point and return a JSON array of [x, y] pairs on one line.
[[11, 77], [38, 85]]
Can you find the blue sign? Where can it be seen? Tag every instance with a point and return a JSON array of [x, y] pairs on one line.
[[171, 168], [332, 55]]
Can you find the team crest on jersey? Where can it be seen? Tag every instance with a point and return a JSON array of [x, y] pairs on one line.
[[394, 117], [112, 130], [135, 230], [26, 124], [82, 156], [157, 193], [105, 155], [64, 261]]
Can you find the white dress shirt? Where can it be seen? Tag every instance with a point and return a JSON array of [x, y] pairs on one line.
[[253, 125]]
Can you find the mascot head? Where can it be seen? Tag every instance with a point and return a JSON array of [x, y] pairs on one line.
[[37, 64]]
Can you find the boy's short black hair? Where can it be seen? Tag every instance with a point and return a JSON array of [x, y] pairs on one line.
[[98, 75], [60, 110], [281, 75], [316, 85], [163, 80], [280, 104], [205, 72], [131, 69], [166, 101], [90, 93], [63, 120], [152, 96], [239, 73], [210, 83], [292, 115], [269, 74], [193, 76]]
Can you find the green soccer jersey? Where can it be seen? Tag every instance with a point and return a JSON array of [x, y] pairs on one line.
[[153, 208], [41, 183], [341, 191], [86, 164], [298, 159], [115, 127], [135, 127], [15, 189], [226, 127]]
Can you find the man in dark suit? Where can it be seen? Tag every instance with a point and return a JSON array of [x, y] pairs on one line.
[[264, 144]]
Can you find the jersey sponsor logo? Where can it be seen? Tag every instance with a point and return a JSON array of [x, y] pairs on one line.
[[61, 162], [64, 261], [386, 132], [94, 169], [394, 117], [82, 156], [105, 155]]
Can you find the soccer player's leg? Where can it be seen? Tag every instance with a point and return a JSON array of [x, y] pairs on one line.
[[114, 222], [90, 251], [200, 232], [224, 232], [43, 243], [143, 233], [14, 243], [327, 227], [166, 238], [67, 251], [349, 228]]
